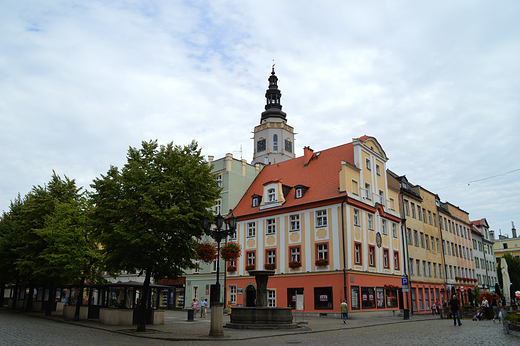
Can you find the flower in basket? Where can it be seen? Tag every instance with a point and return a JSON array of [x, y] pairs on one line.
[[230, 251], [486, 295], [231, 269], [295, 264], [250, 267], [206, 252], [322, 262], [270, 266]]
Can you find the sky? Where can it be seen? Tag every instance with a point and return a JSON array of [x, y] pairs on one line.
[[435, 82]]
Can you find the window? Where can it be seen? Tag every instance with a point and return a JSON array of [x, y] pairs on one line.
[[288, 145], [368, 297], [271, 256], [409, 236], [419, 212], [367, 191], [427, 242], [357, 253], [355, 187], [378, 169], [321, 218], [382, 197], [434, 220], [275, 143], [451, 272], [219, 180], [424, 215], [412, 206], [392, 204], [370, 222], [260, 145], [429, 217], [430, 269], [217, 207], [383, 225], [322, 251], [271, 195], [251, 229], [295, 222], [433, 244], [394, 229], [443, 246], [323, 298], [197, 268], [251, 258], [371, 256], [418, 265], [440, 271], [233, 294], [386, 263], [295, 254], [196, 292], [396, 260], [356, 217], [271, 298], [298, 193], [367, 164], [255, 201], [214, 266], [422, 239], [437, 243], [271, 226], [416, 238], [424, 269], [411, 267], [406, 209]]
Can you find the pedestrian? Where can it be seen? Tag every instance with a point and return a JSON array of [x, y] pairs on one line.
[[455, 310], [438, 305], [434, 308], [194, 305], [344, 311], [485, 305], [203, 304], [495, 302]]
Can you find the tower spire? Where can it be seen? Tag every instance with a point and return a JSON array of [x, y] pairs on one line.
[[273, 96]]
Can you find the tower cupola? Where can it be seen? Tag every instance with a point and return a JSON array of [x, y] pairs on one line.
[[273, 95]]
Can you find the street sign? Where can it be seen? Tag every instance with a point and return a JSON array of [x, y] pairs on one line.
[[404, 281]]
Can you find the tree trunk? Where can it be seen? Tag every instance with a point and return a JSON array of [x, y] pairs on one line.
[[2, 293], [141, 326], [80, 300], [50, 301], [15, 296], [29, 305]]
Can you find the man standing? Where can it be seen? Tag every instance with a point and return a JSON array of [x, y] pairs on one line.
[[455, 310], [485, 305], [344, 311], [203, 308], [494, 304]]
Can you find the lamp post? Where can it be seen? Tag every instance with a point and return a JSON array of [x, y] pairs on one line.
[[218, 234]]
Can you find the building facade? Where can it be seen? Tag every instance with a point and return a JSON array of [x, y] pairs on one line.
[[485, 268], [504, 244], [329, 225]]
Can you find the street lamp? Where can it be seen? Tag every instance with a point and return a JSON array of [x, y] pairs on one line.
[[218, 234]]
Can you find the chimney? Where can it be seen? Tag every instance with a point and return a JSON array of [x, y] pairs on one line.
[[513, 229], [307, 155], [210, 159], [492, 235]]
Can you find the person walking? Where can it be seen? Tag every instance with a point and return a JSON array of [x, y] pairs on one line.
[[194, 305], [344, 311], [434, 308], [485, 305], [203, 304], [438, 305], [495, 302], [455, 310]]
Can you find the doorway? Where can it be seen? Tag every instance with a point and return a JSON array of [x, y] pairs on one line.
[[250, 296]]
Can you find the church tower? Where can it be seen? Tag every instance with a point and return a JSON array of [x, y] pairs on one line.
[[274, 139]]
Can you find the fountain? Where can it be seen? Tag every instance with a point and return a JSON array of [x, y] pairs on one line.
[[261, 316]]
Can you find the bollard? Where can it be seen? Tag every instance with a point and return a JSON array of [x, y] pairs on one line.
[[406, 314], [190, 315]]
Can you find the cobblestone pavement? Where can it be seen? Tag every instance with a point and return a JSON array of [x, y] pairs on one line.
[[18, 328]]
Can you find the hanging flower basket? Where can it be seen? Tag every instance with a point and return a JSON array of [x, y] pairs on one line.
[[206, 252], [231, 269], [250, 267], [230, 251], [322, 262], [270, 266], [487, 295], [294, 264]]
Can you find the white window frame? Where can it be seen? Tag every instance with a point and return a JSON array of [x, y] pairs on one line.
[[218, 207], [394, 230], [271, 226], [378, 169], [321, 218], [384, 227], [295, 254], [368, 164], [271, 298], [356, 218], [233, 294], [219, 180], [251, 258], [370, 222], [197, 269], [368, 191], [251, 229], [271, 256], [271, 195], [323, 251], [295, 222], [299, 193]]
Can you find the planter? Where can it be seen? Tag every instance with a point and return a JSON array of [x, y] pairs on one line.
[[116, 317], [250, 267], [269, 266], [295, 265], [70, 310], [231, 269], [322, 262]]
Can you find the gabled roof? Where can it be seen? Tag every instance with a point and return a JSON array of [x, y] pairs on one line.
[[320, 175]]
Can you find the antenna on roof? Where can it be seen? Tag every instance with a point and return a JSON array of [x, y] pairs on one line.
[[240, 151]]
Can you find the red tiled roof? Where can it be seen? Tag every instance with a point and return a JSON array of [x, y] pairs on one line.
[[320, 175]]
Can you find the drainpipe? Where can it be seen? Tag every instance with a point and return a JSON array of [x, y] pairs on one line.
[[344, 250]]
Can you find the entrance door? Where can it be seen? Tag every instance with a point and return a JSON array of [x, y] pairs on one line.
[[250, 296]]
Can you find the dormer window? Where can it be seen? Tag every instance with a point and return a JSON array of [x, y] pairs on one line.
[[299, 193], [271, 195], [255, 200]]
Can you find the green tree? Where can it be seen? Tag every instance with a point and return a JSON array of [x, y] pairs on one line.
[[513, 268], [147, 214]]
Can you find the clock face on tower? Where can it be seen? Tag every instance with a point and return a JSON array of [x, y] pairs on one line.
[[260, 145], [288, 146]]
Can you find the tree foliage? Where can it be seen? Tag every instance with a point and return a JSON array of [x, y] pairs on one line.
[[147, 214], [513, 268]]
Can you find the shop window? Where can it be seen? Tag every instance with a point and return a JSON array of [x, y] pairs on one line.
[[323, 298], [380, 292], [368, 300], [354, 297], [291, 296], [391, 298]]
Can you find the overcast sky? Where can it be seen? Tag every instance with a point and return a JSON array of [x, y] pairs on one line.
[[437, 83]]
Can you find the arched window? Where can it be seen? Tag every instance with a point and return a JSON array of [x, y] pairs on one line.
[[275, 143]]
